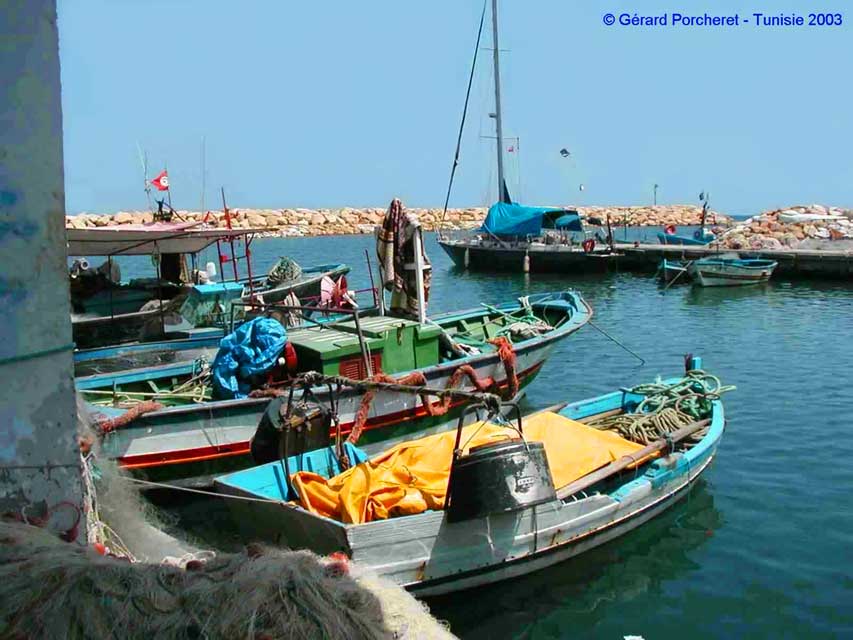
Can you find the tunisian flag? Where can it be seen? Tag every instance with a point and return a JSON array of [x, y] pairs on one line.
[[161, 181]]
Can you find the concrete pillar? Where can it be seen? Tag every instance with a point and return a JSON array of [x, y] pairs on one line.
[[38, 450]]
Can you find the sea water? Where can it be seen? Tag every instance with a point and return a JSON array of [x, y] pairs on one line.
[[762, 547]]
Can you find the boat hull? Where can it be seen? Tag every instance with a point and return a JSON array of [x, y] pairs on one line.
[[724, 274], [542, 258], [668, 238]]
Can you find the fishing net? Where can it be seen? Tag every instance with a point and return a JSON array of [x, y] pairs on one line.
[[53, 589], [56, 590], [283, 271]]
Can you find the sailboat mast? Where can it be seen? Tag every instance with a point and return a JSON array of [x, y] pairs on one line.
[[498, 120]]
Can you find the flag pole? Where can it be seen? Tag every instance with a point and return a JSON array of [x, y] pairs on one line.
[[202, 174], [143, 159], [168, 186], [230, 239]]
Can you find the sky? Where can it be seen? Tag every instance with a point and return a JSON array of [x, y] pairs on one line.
[[331, 104]]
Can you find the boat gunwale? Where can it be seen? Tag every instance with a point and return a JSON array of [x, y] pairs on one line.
[[737, 263]]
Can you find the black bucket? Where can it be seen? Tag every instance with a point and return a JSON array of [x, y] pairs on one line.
[[305, 429], [500, 477]]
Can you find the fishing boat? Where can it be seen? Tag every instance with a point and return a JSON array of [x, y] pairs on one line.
[[673, 270], [109, 312], [103, 306], [306, 285], [189, 435], [702, 236], [725, 272], [494, 500]]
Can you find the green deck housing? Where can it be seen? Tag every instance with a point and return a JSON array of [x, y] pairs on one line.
[[395, 345]]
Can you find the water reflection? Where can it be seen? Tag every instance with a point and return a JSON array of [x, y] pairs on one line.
[[583, 590], [715, 296]]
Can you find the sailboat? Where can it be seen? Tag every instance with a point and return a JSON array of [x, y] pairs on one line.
[[515, 237]]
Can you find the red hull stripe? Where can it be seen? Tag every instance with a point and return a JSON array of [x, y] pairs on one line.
[[213, 452]]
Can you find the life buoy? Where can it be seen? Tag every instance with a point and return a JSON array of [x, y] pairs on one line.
[[669, 229], [588, 245], [698, 234]]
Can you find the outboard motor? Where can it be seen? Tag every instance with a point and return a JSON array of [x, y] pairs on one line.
[[290, 428], [497, 478]]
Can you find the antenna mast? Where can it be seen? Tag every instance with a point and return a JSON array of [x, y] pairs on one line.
[[498, 121]]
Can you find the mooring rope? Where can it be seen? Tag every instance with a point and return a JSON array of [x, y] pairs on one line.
[[666, 408]]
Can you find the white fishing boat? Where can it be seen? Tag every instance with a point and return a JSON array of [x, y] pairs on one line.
[[492, 501], [727, 272]]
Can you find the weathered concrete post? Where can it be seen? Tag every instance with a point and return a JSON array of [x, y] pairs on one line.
[[38, 451]]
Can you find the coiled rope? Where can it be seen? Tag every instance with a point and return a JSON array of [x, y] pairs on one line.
[[666, 408]]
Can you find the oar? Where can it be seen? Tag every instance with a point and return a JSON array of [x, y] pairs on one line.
[[618, 465]]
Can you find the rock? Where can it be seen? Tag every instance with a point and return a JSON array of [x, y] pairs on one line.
[[255, 221], [123, 218]]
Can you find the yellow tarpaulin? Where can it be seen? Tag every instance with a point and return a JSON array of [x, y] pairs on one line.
[[412, 476]]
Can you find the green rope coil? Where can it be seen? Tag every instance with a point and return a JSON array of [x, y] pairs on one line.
[[666, 408]]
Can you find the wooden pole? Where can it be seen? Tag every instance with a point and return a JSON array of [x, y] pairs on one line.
[[625, 461], [418, 240]]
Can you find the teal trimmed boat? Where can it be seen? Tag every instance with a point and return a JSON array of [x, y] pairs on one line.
[[728, 272], [193, 436], [503, 515]]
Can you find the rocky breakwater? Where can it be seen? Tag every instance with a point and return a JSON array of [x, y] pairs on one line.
[[799, 227], [292, 222], [654, 215], [347, 220]]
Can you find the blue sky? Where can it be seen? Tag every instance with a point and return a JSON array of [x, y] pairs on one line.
[[326, 104]]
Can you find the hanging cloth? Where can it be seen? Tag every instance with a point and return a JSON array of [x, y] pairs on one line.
[[395, 248]]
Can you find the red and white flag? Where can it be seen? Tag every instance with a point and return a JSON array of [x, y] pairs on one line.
[[161, 181], [510, 149]]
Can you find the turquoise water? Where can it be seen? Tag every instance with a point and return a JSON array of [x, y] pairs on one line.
[[763, 546]]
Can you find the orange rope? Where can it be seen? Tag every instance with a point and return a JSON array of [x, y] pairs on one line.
[[506, 354], [105, 426]]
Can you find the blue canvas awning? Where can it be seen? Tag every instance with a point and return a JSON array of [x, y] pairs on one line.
[[569, 221], [511, 219]]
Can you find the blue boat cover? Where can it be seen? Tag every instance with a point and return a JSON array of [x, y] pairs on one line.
[[569, 221], [251, 350], [511, 219]]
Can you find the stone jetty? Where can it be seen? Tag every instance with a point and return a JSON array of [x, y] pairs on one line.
[[654, 215], [812, 226], [348, 220]]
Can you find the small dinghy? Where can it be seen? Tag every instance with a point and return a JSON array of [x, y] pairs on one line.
[[672, 270], [496, 499], [723, 271]]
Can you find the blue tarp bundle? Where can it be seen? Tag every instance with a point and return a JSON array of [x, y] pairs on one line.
[[510, 219], [251, 350]]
